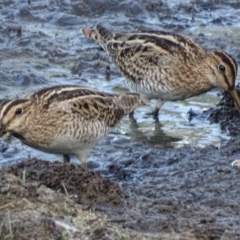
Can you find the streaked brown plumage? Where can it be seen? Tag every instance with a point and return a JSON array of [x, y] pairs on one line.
[[65, 119], [167, 66]]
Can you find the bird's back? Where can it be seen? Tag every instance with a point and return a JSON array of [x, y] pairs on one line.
[[153, 42], [156, 64]]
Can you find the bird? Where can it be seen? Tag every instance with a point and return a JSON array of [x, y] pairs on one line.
[[167, 66], [65, 119]]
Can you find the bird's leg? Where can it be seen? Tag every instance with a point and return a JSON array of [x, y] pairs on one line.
[[155, 114], [66, 158], [107, 72], [131, 115], [82, 155], [159, 104], [84, 165]]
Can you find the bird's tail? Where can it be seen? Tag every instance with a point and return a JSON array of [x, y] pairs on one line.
[[101, 34], [130, 101]]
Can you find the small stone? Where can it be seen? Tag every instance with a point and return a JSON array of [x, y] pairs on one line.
[[236, 163]]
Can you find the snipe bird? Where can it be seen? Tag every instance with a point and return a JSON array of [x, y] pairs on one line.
[[167, 66], [65, 119]]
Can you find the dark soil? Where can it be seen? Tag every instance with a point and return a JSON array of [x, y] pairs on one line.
[[154, 190]]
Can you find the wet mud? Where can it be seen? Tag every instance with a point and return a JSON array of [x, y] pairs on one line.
[[225, 115], [186, 193], [141, 189], [30, 210]]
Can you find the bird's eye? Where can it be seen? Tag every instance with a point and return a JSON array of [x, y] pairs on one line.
[[221, 68], [18, 111]]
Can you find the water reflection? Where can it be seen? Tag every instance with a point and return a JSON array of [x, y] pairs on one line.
[[158, 136]]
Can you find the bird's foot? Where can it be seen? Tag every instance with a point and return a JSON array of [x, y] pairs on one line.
[[66, 158], [84, 166], [131, 114], [154, 114]]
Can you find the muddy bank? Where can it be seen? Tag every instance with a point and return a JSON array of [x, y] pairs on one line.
[[30, 210], [187, 193]]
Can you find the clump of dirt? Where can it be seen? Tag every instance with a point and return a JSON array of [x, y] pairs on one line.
[[183, 190], [180, 193], [30, 210], [86, 186], [226, 114]]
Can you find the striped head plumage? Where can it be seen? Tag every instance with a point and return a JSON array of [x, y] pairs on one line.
[[12, 114]]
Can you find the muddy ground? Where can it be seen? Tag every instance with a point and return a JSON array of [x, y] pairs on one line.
[[160, 194], [132, 190]]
